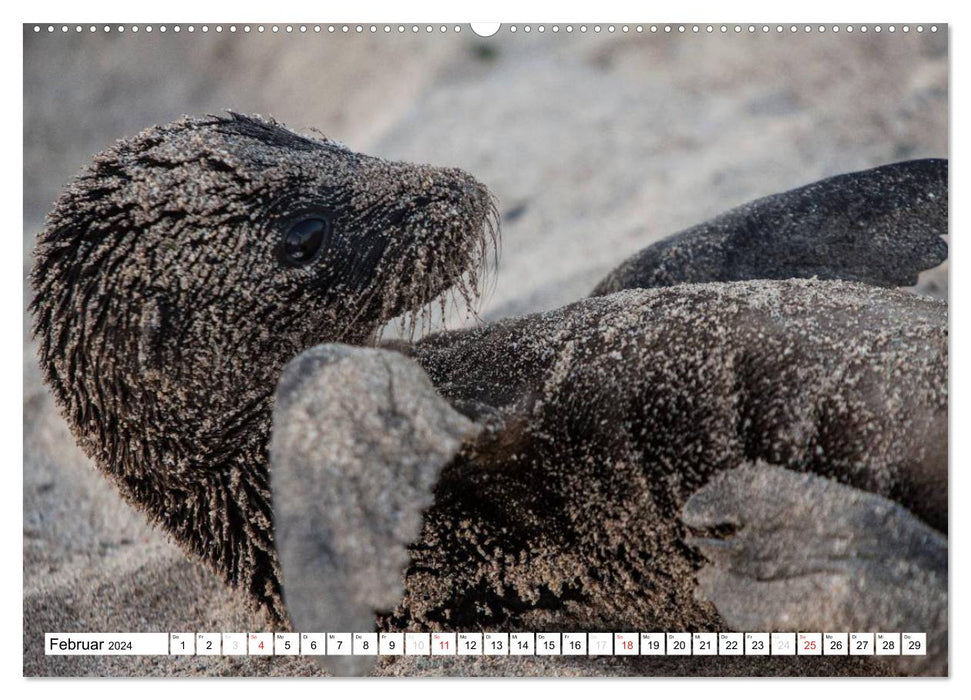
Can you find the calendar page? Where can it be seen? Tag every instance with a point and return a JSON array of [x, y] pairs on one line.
[[517, 349]]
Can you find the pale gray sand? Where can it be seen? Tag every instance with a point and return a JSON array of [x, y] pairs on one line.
[[595, 146]]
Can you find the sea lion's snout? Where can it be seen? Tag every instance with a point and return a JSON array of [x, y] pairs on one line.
[[437, 225], [465, 191], [423, 195]]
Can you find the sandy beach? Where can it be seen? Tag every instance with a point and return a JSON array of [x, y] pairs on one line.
[[595, 145]]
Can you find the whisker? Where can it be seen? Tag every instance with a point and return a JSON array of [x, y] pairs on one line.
[[443, 289]]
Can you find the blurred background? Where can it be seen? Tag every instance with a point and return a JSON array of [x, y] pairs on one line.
[[595, 145]]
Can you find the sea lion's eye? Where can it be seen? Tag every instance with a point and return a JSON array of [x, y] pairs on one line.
[[304, 238]]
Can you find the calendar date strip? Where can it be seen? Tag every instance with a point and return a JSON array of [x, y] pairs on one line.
[[486, 644]]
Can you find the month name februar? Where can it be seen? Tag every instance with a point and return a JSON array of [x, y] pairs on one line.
[[74, 645]]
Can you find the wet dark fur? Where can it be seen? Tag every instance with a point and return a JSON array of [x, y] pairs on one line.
[[152, 269], [881, 226], [604, 416]]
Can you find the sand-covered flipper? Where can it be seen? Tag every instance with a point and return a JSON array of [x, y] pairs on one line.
[[359, 439], [798, 552], [881, 226]]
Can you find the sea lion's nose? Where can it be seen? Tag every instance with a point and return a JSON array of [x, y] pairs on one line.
[[465, 189]]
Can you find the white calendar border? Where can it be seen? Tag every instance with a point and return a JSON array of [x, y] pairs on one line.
[[604, 10]]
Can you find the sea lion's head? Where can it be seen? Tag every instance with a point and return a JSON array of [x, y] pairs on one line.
[[186, 266]]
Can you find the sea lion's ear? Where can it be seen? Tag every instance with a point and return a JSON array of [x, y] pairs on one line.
[[151, 333]]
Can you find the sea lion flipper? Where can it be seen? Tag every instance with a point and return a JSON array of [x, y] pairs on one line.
[[359, 439], [805, 553], [881, 226]]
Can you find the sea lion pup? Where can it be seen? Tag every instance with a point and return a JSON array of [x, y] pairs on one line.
[[180, 274], [184, 267]]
